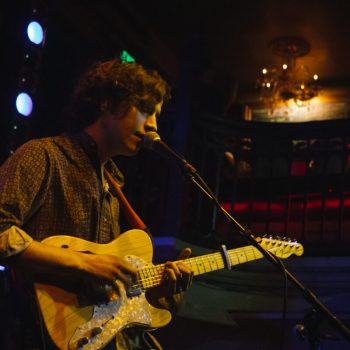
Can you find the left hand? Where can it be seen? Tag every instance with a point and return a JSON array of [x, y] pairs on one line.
[[177, 278], [177, 275]]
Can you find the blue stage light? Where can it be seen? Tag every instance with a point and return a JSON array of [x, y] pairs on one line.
[[35, 32], [24, 104]]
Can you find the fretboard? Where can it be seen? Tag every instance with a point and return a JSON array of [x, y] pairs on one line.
[[151, 275]]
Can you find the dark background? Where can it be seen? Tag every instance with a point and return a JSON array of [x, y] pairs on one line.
[[211, 52]]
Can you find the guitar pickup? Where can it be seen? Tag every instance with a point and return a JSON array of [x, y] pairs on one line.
[[134, 292], [132, 288]]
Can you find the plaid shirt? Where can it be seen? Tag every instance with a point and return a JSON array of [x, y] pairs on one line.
[[48, 187], [55, 186]]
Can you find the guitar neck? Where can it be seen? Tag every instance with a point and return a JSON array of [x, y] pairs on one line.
[[151, 276]]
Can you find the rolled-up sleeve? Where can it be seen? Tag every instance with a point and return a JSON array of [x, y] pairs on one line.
[[23, 184], [13, 241]]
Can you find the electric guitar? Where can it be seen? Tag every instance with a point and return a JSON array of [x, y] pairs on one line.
[[75, 321]]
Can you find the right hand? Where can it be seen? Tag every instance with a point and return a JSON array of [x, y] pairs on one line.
[[107, 268], [42, 258]]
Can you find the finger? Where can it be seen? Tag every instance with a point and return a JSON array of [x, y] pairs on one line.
[[185, 281], [184, 268], [127, 268], [173, 266], [189, 281], [185, 253], [126, 279], [170, 274], [170, 280], [122, 277]]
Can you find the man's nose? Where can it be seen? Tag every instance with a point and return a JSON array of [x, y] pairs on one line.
[[151, 123]]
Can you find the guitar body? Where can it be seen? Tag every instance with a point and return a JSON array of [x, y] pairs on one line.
[[77, 323]]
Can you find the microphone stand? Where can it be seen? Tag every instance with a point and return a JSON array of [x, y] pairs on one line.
[[318, 308]]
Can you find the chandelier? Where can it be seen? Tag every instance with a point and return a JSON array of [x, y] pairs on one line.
[[289, 81]]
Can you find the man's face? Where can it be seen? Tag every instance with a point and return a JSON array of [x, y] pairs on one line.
[[122, 126]]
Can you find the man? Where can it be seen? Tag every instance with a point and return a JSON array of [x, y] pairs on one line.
[[57, 185]]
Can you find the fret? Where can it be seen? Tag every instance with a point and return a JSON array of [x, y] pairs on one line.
[[151, 275], [243, 255], [200, 266], [206, 263], [254, 253]]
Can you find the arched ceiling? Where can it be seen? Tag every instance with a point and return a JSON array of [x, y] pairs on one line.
[[228, 39], [231, 37]]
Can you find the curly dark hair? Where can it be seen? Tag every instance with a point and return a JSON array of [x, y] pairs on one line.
[[116, 83]]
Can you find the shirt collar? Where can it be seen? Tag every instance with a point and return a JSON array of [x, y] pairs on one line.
[[90, 147]]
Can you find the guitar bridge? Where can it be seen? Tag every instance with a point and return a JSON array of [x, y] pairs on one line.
[[133, 292], [133, 288]]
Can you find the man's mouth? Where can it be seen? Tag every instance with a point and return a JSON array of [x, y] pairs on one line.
[[139, 134]]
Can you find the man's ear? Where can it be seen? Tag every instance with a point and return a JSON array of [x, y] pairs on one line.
[[121, 110], [118, 111]]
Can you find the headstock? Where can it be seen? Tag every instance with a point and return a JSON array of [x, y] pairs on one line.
[[281, 247]]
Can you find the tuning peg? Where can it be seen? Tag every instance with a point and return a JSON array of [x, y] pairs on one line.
[[83, 341], [96, 331]]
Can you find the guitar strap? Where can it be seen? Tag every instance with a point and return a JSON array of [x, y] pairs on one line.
[[136, 222], [130, 214]]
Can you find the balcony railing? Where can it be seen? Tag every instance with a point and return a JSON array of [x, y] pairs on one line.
[[288, 179]]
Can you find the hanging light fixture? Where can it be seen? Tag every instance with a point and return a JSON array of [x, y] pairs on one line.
[[289, 81]]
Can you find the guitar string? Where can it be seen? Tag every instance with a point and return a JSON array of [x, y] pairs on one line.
[[203, 264], [152, 275], [206, 262], [150, 270]]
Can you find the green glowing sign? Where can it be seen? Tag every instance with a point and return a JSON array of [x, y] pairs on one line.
[[125, 57]]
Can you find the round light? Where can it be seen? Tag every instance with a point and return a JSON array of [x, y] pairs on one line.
[[264, 71], [35, 33], [285, 66], [315, 76], [24, 104]]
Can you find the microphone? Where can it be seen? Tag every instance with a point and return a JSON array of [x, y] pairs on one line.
[[151, 140]]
